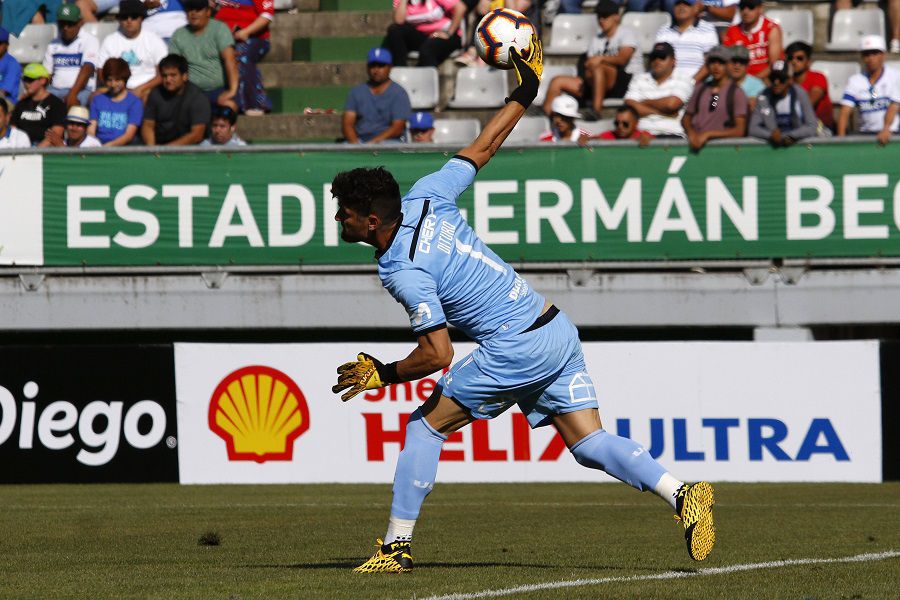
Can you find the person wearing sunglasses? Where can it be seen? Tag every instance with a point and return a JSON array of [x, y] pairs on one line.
[[737, 70], [658, 95], [761, 36], [718, 107], [625, 127], [140, 48], [72, 58], [816, 84], [564, 111], [875, 93], [38, 110], [783, 115]]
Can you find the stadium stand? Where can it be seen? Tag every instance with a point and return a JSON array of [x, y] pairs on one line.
[[796, 25], [528, 130], [646, 25], [551, 71], [837, 73], [421, 83], [572, 35], [594, 128], [850, 25], [456, 131], [100, 29]]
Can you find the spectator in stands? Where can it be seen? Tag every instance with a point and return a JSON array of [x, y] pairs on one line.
[[116, 115], [38, 110], [72, 58], [761, 36], [141, 49], [690, 37], [209, 49], [177, 111], [249, 22], [19, 13], [76, 135], [875, 92], [602, 69], [421, 128], [376, 111], [737, 70], [430, 26], [783, 113], [91, 9], [718, 107], [659, 95], [625, 127], [10, 70], [564, 111], [816, 84], [10, 137], [719, 11], [164, 17], [221, 128]]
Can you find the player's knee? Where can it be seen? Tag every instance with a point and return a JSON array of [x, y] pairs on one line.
[[586, 451]]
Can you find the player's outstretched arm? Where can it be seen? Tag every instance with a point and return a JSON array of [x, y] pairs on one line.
[[528, 72]]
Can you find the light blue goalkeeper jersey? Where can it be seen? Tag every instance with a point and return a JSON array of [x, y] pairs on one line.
[[441, 272]]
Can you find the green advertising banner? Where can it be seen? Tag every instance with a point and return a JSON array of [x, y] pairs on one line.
[[537, 204]]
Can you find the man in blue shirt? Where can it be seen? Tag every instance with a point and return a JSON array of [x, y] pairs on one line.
[[376, 111], [10, 70], [529, 354]]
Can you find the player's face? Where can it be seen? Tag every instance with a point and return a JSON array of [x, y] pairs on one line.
[[354, 225]]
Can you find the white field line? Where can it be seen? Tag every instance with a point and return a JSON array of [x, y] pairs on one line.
[[705, 572]]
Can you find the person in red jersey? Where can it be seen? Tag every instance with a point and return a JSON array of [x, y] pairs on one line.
[[249, 22], [816, 84], [761, 36], [625, 128]]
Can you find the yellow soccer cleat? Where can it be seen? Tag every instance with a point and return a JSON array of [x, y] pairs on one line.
[[694, 507], [389, 558]]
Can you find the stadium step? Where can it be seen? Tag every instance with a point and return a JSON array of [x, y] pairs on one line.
[[290, 128], [299, 74], [295, 99], [287, 27], [334, 49], [346, 4]]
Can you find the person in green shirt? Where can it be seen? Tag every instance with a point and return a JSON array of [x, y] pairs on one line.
[[208, 47]]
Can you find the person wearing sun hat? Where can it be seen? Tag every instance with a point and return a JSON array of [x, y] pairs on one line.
[[563, 112], [38, 110], [10, 70], [76, 136], [875, 93]]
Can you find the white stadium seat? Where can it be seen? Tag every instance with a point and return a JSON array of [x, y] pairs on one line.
[[850, 24], [837, 72], [528, 129], [594, 127], [572, 34], [284, 4], [894, 64], [456, 131], [796, 25], [31, 44], [421, 83], [100, 29], [647, 24], [480, 88], [551, 71]]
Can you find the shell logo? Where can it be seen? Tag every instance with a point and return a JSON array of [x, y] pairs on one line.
[[259, 412]]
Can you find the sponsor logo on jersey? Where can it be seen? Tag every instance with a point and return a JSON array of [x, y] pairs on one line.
[[421, 314], [259, 412], [427, 232]]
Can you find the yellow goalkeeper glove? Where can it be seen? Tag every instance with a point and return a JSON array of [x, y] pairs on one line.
[[365, 373], [528, 72]]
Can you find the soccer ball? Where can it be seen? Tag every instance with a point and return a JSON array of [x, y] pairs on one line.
[[500, 30]]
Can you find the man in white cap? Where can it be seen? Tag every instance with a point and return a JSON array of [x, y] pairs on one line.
[[76, 136], [563, 112], [875, 93]]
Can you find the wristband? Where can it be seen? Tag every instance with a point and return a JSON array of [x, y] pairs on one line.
[[388, 373]]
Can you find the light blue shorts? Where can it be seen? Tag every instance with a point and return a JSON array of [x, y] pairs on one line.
[[542, 371]]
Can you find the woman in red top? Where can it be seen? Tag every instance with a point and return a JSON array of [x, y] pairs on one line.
[[249, 21], [760, 35]]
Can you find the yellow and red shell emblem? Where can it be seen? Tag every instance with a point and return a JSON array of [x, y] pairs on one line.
[[259, 412]]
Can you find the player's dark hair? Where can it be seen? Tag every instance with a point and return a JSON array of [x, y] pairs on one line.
[[368, 191], [801, 46], [174, 61], [629, 109]]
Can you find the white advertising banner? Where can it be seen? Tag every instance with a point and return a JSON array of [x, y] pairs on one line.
[[21, 208], [264, 413]]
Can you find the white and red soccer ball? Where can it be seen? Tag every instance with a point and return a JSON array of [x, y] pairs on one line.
[[500, 30]]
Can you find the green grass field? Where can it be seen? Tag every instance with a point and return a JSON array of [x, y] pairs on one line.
[[141, 541]]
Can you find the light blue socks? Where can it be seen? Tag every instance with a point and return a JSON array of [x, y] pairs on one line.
[[416, 467], [621, 457]]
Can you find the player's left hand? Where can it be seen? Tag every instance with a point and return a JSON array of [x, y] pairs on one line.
[[533, 63], [365, 373]]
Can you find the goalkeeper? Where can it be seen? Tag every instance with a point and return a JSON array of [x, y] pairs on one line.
[[529, 353]]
